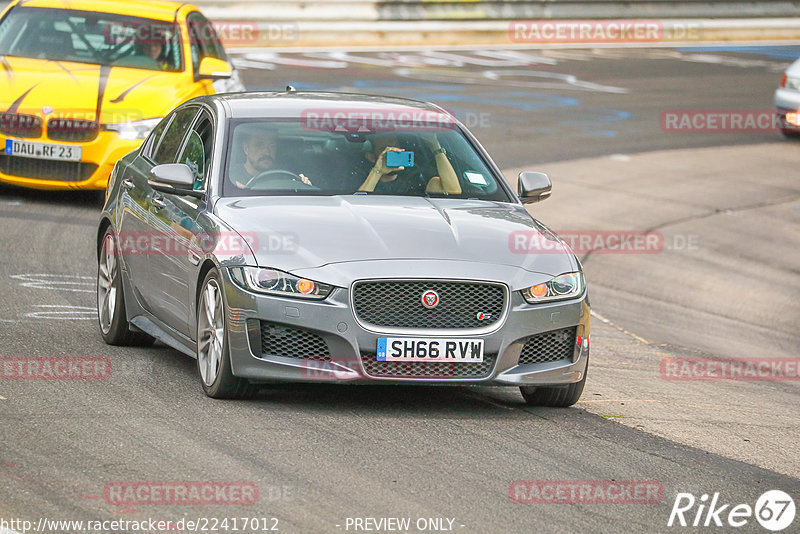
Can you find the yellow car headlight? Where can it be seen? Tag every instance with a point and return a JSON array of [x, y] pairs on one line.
[[133, 130]]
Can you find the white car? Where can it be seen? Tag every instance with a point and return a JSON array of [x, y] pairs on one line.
[[787, 100]]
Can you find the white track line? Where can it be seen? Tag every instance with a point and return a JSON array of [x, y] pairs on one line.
[[626, 332], [502, 46]]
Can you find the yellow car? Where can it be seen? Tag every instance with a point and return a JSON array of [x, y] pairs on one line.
[[82, 83]]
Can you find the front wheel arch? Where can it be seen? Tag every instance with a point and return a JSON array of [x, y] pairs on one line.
[[205, 267], [101, 232], [201, 277]]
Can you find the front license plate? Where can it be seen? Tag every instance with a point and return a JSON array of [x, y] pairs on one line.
[[417, 349], [27, 149]]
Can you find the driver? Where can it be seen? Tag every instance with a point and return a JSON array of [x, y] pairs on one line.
[[260, 148], [152, 50]]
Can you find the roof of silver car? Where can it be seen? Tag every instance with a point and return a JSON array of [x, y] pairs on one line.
[[297, 103]]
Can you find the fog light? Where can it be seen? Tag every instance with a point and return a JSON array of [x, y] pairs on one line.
[[793, 118]]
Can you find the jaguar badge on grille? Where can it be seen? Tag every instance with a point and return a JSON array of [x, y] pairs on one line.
[[430, 299]]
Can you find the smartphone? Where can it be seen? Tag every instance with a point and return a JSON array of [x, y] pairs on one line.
[[400, 159]]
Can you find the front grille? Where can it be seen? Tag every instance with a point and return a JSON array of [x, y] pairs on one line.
[[398, 304], [279, 340], [549, 346], [73, 130], [66, 171], [431, 370], [20, 125]]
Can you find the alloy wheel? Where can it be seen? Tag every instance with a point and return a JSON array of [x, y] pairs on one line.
[[211, 332]]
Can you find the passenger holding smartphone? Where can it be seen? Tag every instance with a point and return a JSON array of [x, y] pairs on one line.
[[386, 180]]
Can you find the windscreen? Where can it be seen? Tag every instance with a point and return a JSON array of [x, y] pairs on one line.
[[87, 37], [288, 157]]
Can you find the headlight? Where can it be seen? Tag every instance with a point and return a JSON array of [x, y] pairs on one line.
[[133, 130], [563, 286], [791, 83], [276, 282]]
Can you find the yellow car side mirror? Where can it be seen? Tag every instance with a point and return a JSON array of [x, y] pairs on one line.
[[212, 68]]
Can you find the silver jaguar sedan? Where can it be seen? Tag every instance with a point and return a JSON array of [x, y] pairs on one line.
[[328, 237]]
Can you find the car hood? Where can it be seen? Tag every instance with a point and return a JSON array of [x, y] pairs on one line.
[[294, 233], [80, 90]]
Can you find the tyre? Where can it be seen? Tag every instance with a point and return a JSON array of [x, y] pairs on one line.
[[111, 314], [553, 396], [213, 353]]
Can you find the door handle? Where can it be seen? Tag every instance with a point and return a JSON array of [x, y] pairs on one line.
[[158, 202], [127, 184]]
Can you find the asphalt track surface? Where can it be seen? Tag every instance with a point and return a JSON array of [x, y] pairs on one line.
[[321, 455]]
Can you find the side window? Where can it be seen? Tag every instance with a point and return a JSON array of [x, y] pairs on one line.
[[197, 152], [167, 150], [193, 156], [203, 39], [151, 143]]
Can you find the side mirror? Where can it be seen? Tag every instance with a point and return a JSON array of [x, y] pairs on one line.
[[533, 187], [174, 178], [212, 68]]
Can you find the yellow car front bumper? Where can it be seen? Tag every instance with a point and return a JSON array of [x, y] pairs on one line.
[[92, 172]]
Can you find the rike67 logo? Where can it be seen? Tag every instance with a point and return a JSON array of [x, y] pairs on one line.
[[774, 510]]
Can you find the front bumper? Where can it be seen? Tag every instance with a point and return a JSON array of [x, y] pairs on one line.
[[787, 99], [98, 159], [349, 344]]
